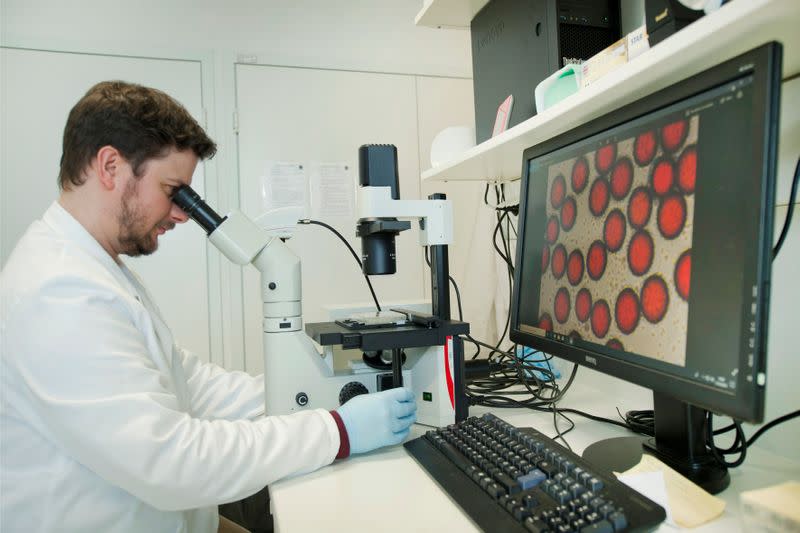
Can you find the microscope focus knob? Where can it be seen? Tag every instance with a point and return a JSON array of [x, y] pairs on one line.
[[350, 390]]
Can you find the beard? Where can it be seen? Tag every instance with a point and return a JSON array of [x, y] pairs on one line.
[[135, 238]]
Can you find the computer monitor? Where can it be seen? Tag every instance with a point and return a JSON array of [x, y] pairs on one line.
[[644, 252]]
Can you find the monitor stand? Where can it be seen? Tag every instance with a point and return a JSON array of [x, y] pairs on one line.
[[680, 443]]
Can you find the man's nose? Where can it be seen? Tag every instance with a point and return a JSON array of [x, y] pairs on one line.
[[178, 215]]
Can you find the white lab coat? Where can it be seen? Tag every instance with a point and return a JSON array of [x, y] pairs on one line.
[[107, 425]]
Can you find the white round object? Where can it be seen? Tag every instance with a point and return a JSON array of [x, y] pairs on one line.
[[450, 143]]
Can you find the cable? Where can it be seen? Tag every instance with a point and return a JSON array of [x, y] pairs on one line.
[[771, 424], [788, 220], [355, 255]]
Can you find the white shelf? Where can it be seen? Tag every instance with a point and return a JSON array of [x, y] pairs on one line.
[[448, 13], [735, 28]]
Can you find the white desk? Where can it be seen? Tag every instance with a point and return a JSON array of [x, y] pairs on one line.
[[388, 491]]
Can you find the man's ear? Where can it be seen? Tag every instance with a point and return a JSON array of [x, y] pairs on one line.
[[109, 165]]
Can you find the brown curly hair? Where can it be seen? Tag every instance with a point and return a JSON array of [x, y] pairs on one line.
[[141, 122]]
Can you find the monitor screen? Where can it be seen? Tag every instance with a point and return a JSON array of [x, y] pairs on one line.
[[645, 238]]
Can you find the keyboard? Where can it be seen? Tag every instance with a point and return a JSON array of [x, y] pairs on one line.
[[517, 479]]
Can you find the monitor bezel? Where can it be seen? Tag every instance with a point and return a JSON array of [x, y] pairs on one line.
[[747, 403]]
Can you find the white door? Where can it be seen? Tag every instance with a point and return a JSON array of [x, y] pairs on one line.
[[38, 90]]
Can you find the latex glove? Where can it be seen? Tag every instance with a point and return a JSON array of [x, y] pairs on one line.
[[378, 419]]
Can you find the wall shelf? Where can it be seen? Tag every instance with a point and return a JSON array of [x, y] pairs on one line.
[[448, 13], [735, 28]]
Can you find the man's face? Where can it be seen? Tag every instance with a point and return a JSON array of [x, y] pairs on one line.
[[147, 210]]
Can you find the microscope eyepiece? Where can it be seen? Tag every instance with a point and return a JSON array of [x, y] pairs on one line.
[[187, 199]]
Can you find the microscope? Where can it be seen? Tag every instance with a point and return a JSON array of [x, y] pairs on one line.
[[427, 354]]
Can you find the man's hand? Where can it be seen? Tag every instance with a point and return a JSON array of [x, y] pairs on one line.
[[379, 419]]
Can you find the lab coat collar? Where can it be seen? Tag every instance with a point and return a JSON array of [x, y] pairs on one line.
[[64, 224]]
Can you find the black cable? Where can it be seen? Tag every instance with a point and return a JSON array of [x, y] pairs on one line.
[[467, 337], [355, 255], [739, 444], [788, 220], [771, 424], [642, 421]]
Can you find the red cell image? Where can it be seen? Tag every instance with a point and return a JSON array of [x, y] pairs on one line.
[[559, 261], [671, 215], [601, 319], [683, 274], [627, 311], [551, 230], [575, 267], [639, 207], [644, 148], [640, 252], [596, 260], [654, 298], [545, 322], [687, 169], [604, 157], [614, 230], [558, 190], [561, 305], [662, 177], [599, 196], [545, 258], [621, 178], [580, 174], [673, 135], [583, 304], [568, 213], [614, 344]]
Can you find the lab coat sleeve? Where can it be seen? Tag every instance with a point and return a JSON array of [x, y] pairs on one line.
[[94, 391], [218, 393]]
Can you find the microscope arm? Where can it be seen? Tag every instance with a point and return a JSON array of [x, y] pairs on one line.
[[436, 216], [242, 241]]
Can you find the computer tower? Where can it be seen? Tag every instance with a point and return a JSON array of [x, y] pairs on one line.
[[518, 43]]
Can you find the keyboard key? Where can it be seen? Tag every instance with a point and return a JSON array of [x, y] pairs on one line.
[[595, 484], [494, 490], [535, 526], [604, 526], [576, 489], [520, 512], [618, 520], [509, 484], [531, 480], [597, 503], [606, 510], [530, 501], [547, 468]]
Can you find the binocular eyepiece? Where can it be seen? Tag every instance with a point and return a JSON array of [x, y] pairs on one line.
[[187, 199]]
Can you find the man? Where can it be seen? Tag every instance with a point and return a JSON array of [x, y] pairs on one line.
[[107, 425]]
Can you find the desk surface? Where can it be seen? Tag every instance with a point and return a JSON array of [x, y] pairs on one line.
[[387, 490]]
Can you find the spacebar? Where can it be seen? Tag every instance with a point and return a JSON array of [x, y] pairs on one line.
[[455, 456]]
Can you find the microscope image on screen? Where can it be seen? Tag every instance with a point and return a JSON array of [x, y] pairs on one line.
[[616, 256]]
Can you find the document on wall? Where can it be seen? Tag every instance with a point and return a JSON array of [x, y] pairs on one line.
[[332, 190], [284, 184]]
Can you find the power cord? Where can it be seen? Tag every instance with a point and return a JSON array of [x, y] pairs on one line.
[[788, 220], [353, 252]]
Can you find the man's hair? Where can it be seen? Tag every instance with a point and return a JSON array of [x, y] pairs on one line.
[[142, 123]]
